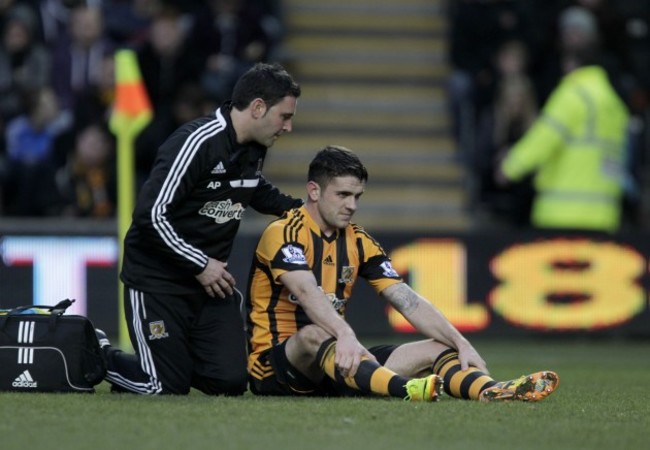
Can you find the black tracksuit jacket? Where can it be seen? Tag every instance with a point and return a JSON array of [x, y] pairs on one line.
[[191, 206]]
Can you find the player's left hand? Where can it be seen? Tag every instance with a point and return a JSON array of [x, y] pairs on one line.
[[349, 353]]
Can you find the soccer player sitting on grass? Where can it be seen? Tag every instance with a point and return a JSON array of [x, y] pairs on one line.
[[304, 269]]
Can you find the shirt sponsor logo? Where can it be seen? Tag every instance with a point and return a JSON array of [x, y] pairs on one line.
[[337, 303], [222, 211], [293, 255]]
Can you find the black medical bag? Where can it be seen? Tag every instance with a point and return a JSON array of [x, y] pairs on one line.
[[44, 350]]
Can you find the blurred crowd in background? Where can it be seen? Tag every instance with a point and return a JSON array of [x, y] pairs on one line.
[[57, 156], [507, 57]]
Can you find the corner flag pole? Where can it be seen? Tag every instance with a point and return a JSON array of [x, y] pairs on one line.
[[132, 112]]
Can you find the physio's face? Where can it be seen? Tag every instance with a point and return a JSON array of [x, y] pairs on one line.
[[274, 121], [338, 202]]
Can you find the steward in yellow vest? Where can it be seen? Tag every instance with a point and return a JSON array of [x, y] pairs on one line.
[[577, 147]]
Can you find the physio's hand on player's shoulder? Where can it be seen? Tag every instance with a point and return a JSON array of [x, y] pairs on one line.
[[216, 279], [468, 356], [349, 352]]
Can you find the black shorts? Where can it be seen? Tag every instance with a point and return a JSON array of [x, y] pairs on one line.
[[285, 379]]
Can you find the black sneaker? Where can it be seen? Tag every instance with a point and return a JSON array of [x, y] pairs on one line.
[[102, 338]]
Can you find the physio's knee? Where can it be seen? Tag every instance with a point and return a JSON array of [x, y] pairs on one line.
[[231, 384]]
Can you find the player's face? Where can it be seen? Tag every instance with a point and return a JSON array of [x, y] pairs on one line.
[[275, 121], [338, 202]]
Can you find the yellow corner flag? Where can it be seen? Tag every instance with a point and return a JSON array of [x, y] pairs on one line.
[[132, 110], [131, 113]]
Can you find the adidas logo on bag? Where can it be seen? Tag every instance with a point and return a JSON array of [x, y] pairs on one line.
[[25, 380]]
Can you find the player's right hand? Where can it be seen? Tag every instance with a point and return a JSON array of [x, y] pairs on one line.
[[468, 356]]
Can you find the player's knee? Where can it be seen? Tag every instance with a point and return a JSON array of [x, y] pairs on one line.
[[311, 338]]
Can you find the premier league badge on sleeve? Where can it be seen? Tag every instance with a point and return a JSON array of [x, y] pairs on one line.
[[389, 272], [293, 255]]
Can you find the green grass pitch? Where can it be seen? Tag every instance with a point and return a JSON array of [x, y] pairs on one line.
[[603, 402]]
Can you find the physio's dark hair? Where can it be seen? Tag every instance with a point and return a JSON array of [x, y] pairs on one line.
[[270, 82], [335, 161]]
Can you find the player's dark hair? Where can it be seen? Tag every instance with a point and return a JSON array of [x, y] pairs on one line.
[[270, 82], [335, 161]]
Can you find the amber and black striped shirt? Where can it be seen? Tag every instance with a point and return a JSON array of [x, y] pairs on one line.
[[295, 242]]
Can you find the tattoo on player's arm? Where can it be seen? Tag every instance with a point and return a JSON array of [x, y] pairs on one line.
[[403, 299]]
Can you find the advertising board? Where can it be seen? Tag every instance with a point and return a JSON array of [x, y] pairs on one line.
[[490, 284]]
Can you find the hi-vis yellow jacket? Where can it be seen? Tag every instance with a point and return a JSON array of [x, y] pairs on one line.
[[577, 148]]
